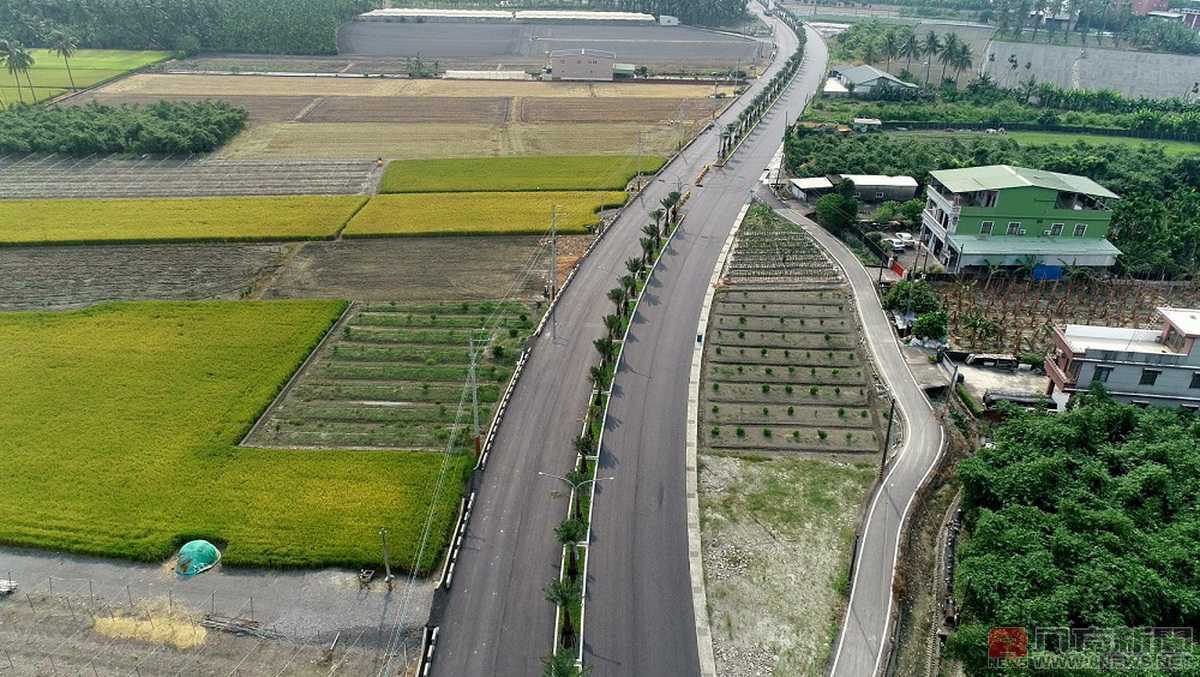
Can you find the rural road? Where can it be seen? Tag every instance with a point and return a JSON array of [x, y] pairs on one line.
[[639, 618], [865, 628], [496, 620]]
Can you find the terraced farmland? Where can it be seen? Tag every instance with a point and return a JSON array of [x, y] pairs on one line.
[[392, 377]]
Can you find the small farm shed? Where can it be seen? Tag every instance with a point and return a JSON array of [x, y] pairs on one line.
[[878, 188], [582, 64], [810, 188]]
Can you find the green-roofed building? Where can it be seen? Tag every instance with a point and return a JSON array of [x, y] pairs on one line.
[[1011, 216]]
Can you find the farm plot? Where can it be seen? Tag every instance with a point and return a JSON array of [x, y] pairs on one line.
[[114, 176], [465, 110], [789, 432], [135, 475], [260, 108], [479, 213], [180, 220], [1008, 315], [558, 109], [88, 67], [561, 173], [393, 377]]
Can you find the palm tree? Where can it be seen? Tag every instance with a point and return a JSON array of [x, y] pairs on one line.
[[600, 380], [634, 266], [562, 664], [870, 52], [891, 46], [647, 247], [18, 61], [910, 48], [651, 230], [65, 45], [629, 282], [961, 60], [949, 49], [617, 296], [930, 47], [613, 324], [563, 594], [570, 534], [605, 346]]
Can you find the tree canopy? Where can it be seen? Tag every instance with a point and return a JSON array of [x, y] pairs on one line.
[[159, 128], [1086, 518]]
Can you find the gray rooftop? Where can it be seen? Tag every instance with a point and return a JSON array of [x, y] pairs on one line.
[[996, 177]]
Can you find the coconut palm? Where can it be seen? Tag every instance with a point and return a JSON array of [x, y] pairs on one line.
[[910, 48], [870, 52], [961, 60], [563, 594], [949, 49], [931, 46], [65, 45], [570, 534], [890, 46], [18, 61]]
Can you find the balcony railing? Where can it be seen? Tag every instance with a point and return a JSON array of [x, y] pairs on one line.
[[948, 205], [930, 218], [1061, 379]]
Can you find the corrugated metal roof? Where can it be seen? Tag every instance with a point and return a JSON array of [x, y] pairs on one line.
[[1064, 247], [442, 13], [880, 180], [861, 74], [575, 15], [996, 177], [812, 183]]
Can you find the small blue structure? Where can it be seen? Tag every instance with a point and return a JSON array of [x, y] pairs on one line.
[[196, 557]]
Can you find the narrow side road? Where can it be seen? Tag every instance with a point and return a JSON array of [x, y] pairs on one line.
[[864, 634]]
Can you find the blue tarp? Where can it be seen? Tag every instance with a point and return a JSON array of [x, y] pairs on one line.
[[196, 557], [1044, 272]]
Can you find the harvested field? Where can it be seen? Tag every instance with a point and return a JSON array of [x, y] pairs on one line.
[[558, 109], [393, 377], [526, 213], [253, 85], [260, 108], [763, 521], [66, 277], [61, 176], [419, 141], [444, 109], [408, 269], [569, 173], [160, 463], [196, 219]]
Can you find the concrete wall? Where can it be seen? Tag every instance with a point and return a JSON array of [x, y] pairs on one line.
[[1173, 386]]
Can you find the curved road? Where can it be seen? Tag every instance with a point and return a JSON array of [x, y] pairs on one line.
[[496, 620], [863, 638], [639, 618]]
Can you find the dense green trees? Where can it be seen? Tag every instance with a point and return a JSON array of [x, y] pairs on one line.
[[261, 26], [1156, 223], [159, 128], [1088, 518], [878, 43]]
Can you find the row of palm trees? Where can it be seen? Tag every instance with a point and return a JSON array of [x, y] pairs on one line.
[[565, 592], [759, 105], [904, 43], [18, 60]]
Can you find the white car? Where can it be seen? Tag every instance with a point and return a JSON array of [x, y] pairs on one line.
[[897, 244], [906, 238]]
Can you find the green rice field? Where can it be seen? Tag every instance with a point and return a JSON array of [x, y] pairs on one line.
[[304, 217], [120, 429], [89, 67], [497, 174], [522, 213]]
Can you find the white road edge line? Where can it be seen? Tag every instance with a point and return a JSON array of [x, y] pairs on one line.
[[704, 644]]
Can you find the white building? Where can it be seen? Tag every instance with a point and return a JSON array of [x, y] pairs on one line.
[[582, 64]]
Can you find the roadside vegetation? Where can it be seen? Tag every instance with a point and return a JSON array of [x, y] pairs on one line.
[[514, 173], [1085, 519], [55, 71], [303, 217], [160, 128], [133, 450], [522, 213]]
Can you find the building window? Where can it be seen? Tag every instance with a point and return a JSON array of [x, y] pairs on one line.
[[1195, 380], [985, 228], [1014, 228], [1056, 229], [1080, 229], [1149, 377], [1102, 374]]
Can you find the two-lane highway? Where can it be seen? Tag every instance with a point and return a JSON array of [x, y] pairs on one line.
[[496, 621], [639, 616]]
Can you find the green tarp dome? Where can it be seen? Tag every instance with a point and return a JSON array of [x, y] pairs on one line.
[[196, 557]]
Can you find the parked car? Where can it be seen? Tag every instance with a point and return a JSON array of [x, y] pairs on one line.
[[906, 238], [896, 244], [994, 360]]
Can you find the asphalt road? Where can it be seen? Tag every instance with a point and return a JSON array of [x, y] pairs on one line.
[[496, 621], [639, 618], [867, 623]]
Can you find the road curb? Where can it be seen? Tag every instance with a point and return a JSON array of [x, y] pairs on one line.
[[704, 642]]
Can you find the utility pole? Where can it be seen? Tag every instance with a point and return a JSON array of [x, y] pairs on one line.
[[553, 279], [887, 439], [387, 560], [953, 388], [639, 165], [473, 383]]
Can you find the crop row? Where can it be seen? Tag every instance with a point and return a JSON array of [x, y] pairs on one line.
[[791, 375], [315, 390], [844, 417], [790, 438], [812, 394]]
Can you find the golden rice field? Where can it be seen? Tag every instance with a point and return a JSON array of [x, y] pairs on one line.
[[133, 450], [301, 217], [525, 213]]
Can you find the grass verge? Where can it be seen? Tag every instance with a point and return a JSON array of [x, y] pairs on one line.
[[294, 217], [132, 450], [563, 173], [479, 213]]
